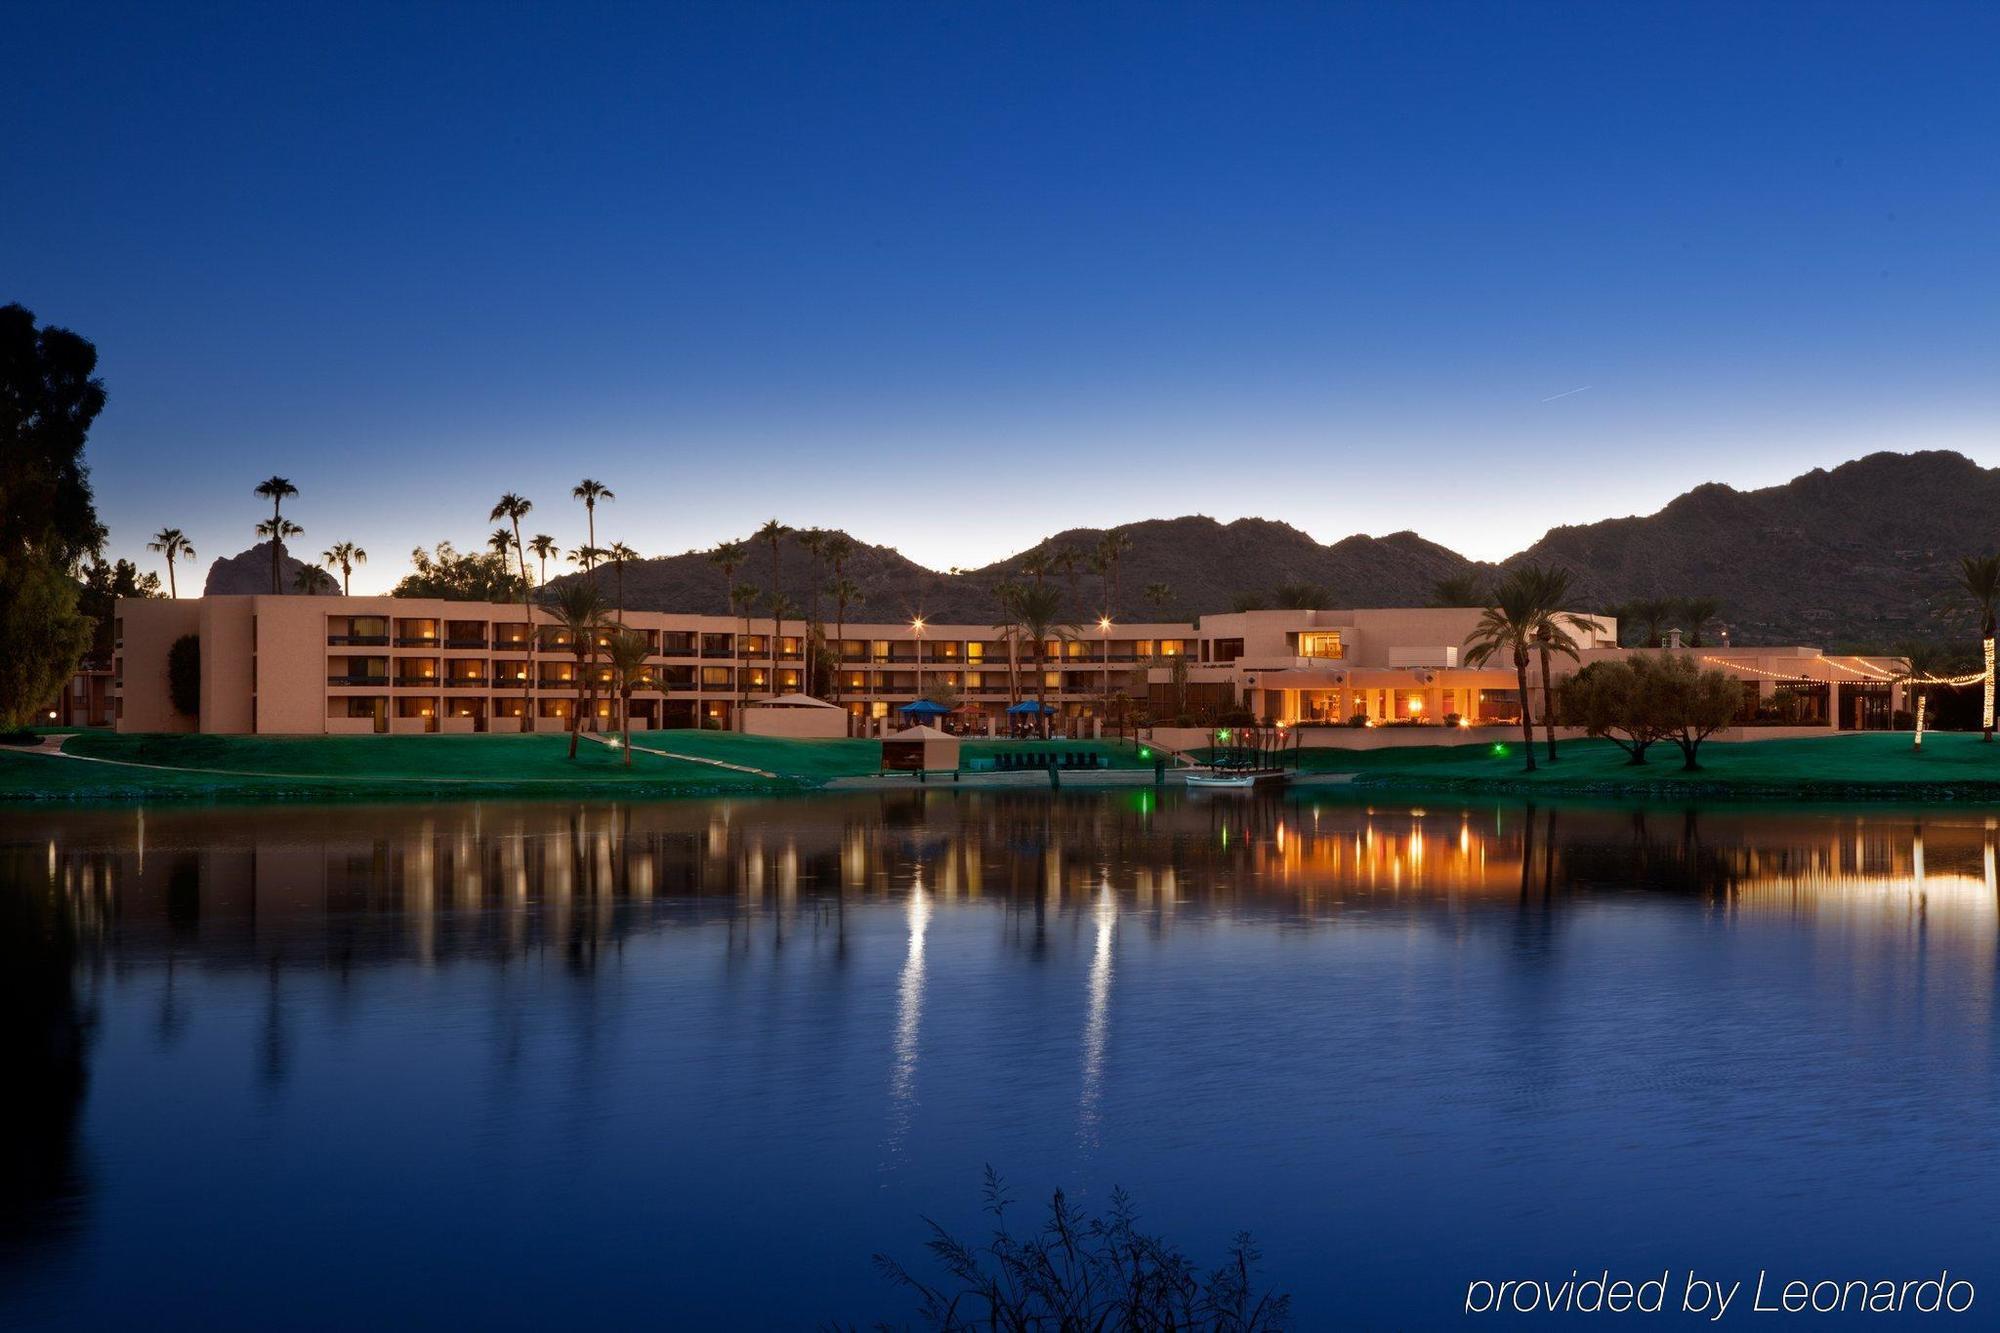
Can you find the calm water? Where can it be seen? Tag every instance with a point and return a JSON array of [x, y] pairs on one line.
[[689, 1065]]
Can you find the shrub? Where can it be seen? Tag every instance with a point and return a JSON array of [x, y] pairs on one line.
[[1358, 720], [1452, 719], [1082, 1272], [184, 675]]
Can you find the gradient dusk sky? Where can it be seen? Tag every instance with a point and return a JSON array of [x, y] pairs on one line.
[[957, 276]]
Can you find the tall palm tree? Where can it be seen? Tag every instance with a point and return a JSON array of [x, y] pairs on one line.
[[1111, 548], [1158, 595], [845, 593], [1552, 633], [782, 608], [1652, 614], [813, 540], [772, 533], [312, 580], [578, 608], [1005, 595], [501, 540], [1509, 626], [276, 530], [173, 544], [1037, 565], [1069, 562], [276, 490], [1459, 590], [1979, 580], [513, 508], [728, 557], [627, 654], [742, 600], [343, 556], [1923, 664], [835, 547], [619, 553], [543, 546], [590, 492], [1036, 614]]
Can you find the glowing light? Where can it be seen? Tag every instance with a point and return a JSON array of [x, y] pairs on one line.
[[1416, 705], [1104, 622], [1499, 749], [917, 624], [1921, 701], [1986, 717], [1464, 723]]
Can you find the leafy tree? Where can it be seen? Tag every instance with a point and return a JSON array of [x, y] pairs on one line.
[[1509, 626], [1693, 703], [1615, 700], [49, 396], [184, 675], [1466, 589], [277, 490], [103, 585], [454, 576], [1979, 581], [174, 545], [344, 556]]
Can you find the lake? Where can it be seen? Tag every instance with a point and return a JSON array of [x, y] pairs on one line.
[[690, 1064]]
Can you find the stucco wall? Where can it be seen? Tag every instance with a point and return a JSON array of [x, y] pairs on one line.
[[150, 627]]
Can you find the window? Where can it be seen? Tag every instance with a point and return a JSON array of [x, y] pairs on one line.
[[1321, 643]]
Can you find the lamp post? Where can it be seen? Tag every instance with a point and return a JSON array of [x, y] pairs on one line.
[[917, 629], [1104, 634]]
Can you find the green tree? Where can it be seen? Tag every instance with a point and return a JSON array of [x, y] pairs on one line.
[[1614, 700], [450, 575], [1508, 626], [1552, 633], [1693, 704], [590, 492], [49, 396], [1651, 615], [174, 545], [1455, 590], [1979, 580], [277, 490], [1923, 664], [1695, 615], [1035, 613], [344, 556], [627, 653], [577, 608]]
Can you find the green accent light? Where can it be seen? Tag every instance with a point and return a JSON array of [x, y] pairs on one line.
[[1499, 749]]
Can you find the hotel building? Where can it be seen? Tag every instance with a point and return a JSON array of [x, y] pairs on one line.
[[323, 665]]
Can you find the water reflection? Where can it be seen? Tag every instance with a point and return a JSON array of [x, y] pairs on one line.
[[1009, 947]]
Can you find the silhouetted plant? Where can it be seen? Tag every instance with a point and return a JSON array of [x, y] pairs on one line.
[[184, 675], [1084, 1272]]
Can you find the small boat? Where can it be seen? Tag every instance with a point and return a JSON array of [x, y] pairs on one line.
[[1237, 779]]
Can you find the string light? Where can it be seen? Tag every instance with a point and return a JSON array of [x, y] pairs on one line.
[[1799, 678]]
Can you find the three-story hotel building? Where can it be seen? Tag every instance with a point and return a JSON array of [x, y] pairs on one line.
[[324, 665]]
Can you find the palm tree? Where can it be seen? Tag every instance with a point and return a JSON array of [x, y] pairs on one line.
[[171, 543], [1069, 562], [1652, 613], [276, 489], [312, 580], [742, 600], [1979, 580], [845, 593], [620, 553], [728, 557], [1552, 633], [1466, 589], [343, 556], [590, 492], [543, 546], [781, 608], [578, 608], [1036, 614], [1695, 613], [1037, 565], [1923, 664], [1005, 595], [501, 541], [1158, 595], [1509, 626], [1111, 548], [276, 530], [627, 654], [771, 534], [513, 508]]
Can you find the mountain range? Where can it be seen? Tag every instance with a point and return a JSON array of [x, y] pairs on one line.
[[1863, 553]]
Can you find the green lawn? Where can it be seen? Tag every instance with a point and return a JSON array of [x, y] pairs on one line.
[[1856, 764], [379, 767]]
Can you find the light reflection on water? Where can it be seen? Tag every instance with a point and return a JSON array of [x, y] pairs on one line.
[[643, 1054]]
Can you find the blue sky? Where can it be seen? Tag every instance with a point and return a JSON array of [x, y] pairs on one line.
[[958, 276]]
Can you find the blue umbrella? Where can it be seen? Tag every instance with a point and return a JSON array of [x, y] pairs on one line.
[[924, 708], [1030, 706]]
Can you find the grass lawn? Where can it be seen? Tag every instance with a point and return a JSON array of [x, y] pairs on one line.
[[1851, 765], [433, 767]]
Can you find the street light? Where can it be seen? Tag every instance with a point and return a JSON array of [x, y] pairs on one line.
[[917, 628], [1104, 633]]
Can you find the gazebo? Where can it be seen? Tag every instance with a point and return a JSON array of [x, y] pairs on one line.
[[796, 716], [920, 751]]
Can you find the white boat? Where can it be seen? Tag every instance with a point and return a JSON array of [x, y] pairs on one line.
[[1237, 779]]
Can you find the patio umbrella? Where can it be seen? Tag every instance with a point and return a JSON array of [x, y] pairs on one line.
[[924, 708], [1029, 706]]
